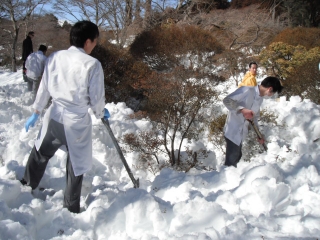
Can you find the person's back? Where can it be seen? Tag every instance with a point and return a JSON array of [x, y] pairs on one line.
[[68, 85], [75, 82], [35, 63], [34, 69]]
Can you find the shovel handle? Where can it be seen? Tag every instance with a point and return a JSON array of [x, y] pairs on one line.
[[258, 133], [114, 140]]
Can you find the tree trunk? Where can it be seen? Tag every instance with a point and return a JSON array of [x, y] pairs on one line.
[[289, 17], [147, 14], [273, 12], [137, 9], [180, 4], [128, 12], [137, 13], [14, 47]]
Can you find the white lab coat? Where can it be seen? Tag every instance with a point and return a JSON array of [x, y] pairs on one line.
[[35, 65], [236, 127], [75, 82]]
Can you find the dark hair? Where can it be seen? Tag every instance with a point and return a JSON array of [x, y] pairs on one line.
[[272, 82], [81, 32], [31, 33], [42, 48], [252, 63]]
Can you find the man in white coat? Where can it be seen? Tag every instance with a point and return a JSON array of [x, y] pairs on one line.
[[35, 67], [244, 103], [75, 82]]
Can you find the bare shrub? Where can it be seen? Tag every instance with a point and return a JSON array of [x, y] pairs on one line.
[[173, 99], [243, 3], [248, 28], [234, 62], [173, 105], [251, 146], [216, 134], [161, 46], [179, 85], [124, 75], [307, 37], [268, 117], [149, 145], [193, 159]]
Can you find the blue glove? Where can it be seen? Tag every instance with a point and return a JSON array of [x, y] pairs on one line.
[[31, 121], [106, 114]]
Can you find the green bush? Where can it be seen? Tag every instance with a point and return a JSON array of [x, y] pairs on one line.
[[282, 59], [305, 81]]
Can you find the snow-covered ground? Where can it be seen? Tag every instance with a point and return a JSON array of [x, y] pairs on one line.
[[274, 196]]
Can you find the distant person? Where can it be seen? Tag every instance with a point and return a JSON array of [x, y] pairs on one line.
[[244, 103], [75, 82], [250, 78], [35, 67], [27, 49]]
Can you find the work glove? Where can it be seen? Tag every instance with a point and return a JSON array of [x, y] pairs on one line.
[[31, 121], [106, 114]]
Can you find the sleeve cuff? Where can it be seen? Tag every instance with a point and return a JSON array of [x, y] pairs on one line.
[[239, 109]]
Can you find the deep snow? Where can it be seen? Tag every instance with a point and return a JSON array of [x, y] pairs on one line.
[[274, 196]]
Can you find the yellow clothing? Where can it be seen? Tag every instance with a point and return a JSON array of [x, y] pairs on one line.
[[248, 80]]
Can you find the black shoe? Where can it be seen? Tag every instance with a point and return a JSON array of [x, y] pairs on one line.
[[23, 182]]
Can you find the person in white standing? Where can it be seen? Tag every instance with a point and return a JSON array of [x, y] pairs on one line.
[[35, 67], [244, 104], [75, 82]]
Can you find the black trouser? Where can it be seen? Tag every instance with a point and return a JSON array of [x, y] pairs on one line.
[[233, 153], [38, 160], [33, 85], [24, 70]]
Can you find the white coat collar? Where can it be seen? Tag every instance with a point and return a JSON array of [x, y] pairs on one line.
[[257, 91], [75, 48]]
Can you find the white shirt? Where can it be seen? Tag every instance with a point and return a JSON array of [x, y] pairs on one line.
[[35, 64], [75, 82], [236, 127]]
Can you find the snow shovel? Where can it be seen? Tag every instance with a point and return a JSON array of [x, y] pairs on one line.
[[258, 133], [114, 140]]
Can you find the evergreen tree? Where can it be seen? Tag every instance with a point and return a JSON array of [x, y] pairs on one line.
[[303, 13], [297, 13], [313, 7]]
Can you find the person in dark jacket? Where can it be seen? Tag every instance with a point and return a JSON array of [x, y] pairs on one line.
[[27, 49]]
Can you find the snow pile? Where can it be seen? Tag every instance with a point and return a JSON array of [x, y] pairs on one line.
[[275, 196]]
